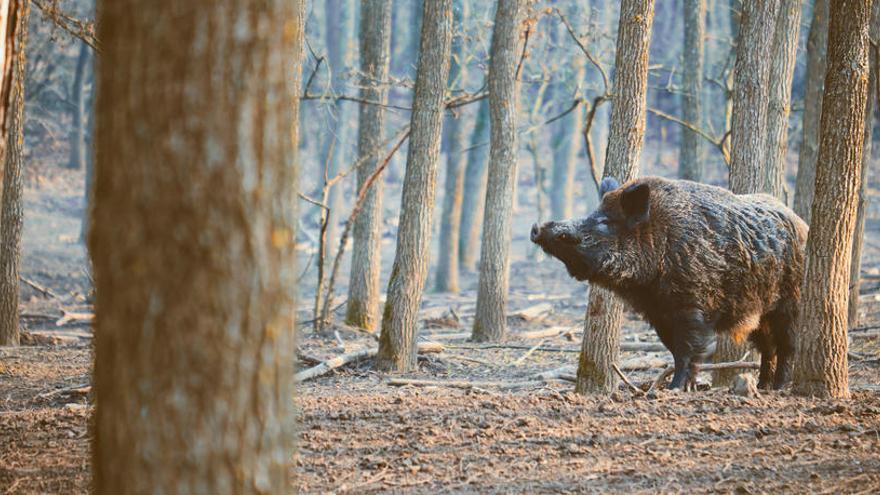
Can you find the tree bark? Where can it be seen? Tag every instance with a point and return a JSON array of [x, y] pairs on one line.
[[821, 368], [450, 219], [363, 288], [77, 156], [397, 344], [751, 97], [817, 44], [16, 16], [600, 346], [785, 41], [491, 313], [691, 160], [855, 273], [192, 243], [474, 195]]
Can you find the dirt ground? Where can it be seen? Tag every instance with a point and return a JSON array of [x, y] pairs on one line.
[[359, 434]]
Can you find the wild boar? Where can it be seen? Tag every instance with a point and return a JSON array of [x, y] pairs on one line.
[[694, 260]]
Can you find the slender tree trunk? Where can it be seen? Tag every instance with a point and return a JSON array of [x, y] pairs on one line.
[[821, 368], [192, 243], [340, 32], [447, 263], [474, 194], [601, 344], [817, 43], [785, 42], [855, 272], [77, 157], [397, 344], [751, 97], [489, 321], [691, 160], [363, 287], [88, 180], [568, 136], [11, 214]]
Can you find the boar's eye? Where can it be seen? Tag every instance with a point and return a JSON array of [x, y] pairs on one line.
[[603, 226], [567, 238]]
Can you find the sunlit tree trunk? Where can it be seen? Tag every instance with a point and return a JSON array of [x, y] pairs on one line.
[[751, 98], [600, 348], [785, 41], [363, 288], [817, 43], [14, 24], [855, 272], [821, 367], [450, 219], [691, 155], [489, 321], [192, 243], [397, 344], [473, 198]]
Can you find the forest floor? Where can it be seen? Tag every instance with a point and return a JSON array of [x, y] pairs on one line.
[[360, 434]]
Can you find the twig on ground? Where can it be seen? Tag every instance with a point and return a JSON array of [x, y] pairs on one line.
[[529, 352], [46, 292], [628, 383]]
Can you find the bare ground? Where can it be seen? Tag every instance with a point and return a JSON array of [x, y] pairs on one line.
[[358, 434]]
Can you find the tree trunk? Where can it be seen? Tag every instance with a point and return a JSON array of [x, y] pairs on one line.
[[600, 347], [817, 45], [15, 13], [751, 96], [474, 194], [568, 136], [821, 368], [340, 29], [363, 287], [785, 41], [397, 344], [491, 313], [691, 160], [77, 157], [192, 243], [447, 262], [855, 272]]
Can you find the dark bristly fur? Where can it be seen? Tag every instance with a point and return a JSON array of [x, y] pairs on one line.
[[694, 260]]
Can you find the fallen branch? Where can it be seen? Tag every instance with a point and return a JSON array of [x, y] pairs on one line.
[[341, 360], [80, 389], [70, 317], [533, 312], [400, 382], [46, 292]]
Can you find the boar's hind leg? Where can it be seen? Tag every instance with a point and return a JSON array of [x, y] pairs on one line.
[[782, 321], [763, 340]]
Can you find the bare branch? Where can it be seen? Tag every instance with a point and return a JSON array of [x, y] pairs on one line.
[[83, 30], [586, 51]]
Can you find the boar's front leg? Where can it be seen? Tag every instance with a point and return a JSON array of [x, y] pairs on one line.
[[691, 340]]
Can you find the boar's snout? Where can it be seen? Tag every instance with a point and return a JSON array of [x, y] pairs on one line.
[[552, 233]]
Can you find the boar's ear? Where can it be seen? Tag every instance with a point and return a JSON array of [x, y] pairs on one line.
[[608, 184], [636, 203]]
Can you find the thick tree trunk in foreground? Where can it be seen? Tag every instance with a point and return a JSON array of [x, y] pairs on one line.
[[192, 243], [855, 273], [363, 287], [821, 367], [785, 41], [817, 45], [751, 97], [690, 165], [397, 343], [601, 344], [491, 314], [11, 214], [450, 219], [474, 196]]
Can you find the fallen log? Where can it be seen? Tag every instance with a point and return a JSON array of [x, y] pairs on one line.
[[71, 317], [533, 312], [331, 364]]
